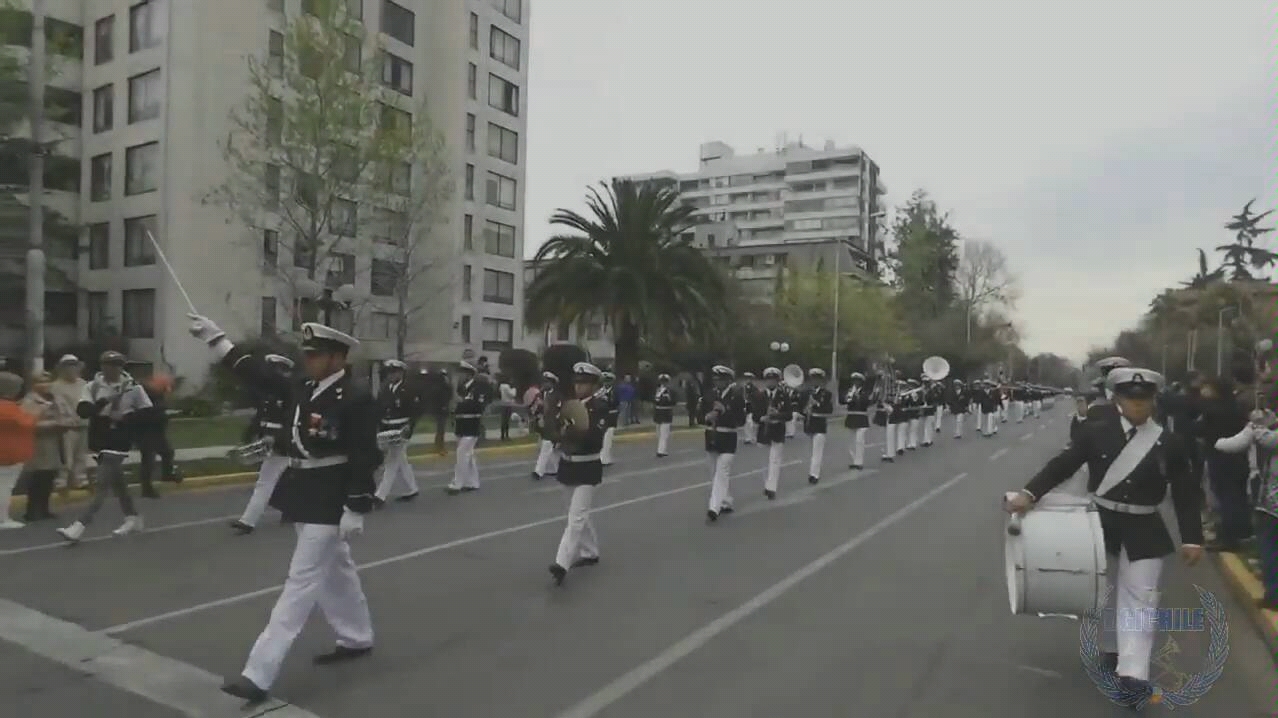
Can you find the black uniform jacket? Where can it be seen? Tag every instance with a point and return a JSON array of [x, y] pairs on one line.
[[399, 408], [959, 400], [721, 433], [473, 397], [579, 463], [271, 417], [663, 403], [777, 407], [609, 394], [821, 404], [858, 403], [331, 442], [1166, 465]]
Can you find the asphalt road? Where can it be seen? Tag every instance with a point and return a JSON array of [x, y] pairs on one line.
[[879, 595]]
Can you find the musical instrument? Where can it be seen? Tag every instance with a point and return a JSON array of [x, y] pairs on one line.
[[392, 437], [936, 368], [573, 413], [253, 452], [792, 376], [1055, 558]]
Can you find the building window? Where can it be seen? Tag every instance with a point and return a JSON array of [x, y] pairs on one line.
[[474, 31], [100, 178], [345, 218], [138, 310], [381, 325], [398, 22], [270, 249], [355, 9], [498, 334], [385, 277], [563, 332], [103, 40], [470, 132], [467, 279], [400, 180], [503, 95], [395, 119], [500, 191], [468, 232], [499, 287], [303, 253], [503, 47], [499, 239], [470, 182], [141, 168], [274, 121], [465, 329], [138, 250], [100, 246], [397, 74], [267, 326], [391, 226], [503, 143], [99, 313], [61, 309], [472, 81], [275, 54], [341, 269], [512, 9], [145, 26], [144, 96], [104, 108]]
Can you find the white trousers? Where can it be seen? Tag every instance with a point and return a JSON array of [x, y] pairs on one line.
[[818, 455], [915, 425], [989, 423], [8, 480], [776, 452], [579, 539], [721, 478], [902, 435], [929, 428], [889, 441], [750, 432], [395, 468], [940, 414], [663, 438], [466, 470], [268, 475], [1018, 411], [1133, 598], [857, 449], [1003, 411], [547, 459], [1036, 407], [605, 454], [321, 572], [791, 427], [958, 425]]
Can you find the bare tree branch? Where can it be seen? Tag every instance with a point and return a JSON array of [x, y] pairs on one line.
[[985, 280]]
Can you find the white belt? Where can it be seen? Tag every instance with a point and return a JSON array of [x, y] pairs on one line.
[[271, 425], [725, 430], [1134, 509], [858, 413], [579, 458], [468, 416], [396, 422], [320, 463]]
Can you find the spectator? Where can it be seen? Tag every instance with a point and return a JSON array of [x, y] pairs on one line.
[[53, 419], [153, 436], [1261, 437], [75, 441], [1222, 416], [17, 442], [691, 398], [507, 392], [627, 395]]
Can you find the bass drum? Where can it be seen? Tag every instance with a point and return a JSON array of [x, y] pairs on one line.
[[1055, 558]]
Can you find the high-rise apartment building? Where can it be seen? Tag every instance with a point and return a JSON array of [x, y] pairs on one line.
[[141, 105], [792, 206]]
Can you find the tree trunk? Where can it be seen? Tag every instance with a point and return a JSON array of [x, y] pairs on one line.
[[626, 349]]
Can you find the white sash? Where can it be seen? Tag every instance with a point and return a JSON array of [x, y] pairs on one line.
[[1130, 457]]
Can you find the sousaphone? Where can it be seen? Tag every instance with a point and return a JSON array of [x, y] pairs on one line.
[[792, 375], [936, 368]]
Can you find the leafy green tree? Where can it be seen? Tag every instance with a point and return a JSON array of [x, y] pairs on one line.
[[1205, 276], [925, 259], [1242, 257], [626, 260]]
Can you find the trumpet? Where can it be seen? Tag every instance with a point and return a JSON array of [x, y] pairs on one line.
[[253, 452], [392, 437], [716, 410]]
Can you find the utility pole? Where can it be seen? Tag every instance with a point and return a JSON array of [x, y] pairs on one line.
[[35, 199]]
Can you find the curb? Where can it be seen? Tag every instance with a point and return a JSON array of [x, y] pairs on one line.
[[17, 504], [1249, 590]]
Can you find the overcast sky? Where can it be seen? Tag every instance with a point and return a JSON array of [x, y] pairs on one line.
[[1097, 142]]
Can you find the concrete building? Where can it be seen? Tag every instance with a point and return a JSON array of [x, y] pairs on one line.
[[152, 84], [792, 206], [592, 335]]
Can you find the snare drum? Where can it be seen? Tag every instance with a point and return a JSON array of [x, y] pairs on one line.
[[1055, 558]]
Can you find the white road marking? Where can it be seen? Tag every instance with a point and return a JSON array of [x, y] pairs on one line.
[[1040, 671], [627, 683], [998, 454], [617, 478], [808, 493], [185, 688], [1025, 437], [230, 600]]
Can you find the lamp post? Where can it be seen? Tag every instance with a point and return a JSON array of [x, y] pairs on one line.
[[1220, 338], [779, 347], [327, 299]]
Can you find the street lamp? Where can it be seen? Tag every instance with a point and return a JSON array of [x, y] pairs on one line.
[[1220, 339], [781, 347], [328, 299]]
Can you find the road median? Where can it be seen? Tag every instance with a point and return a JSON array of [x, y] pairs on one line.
[[1238, 575]]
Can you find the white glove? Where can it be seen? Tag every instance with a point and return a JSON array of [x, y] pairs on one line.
[[352, 524], [205, 330]]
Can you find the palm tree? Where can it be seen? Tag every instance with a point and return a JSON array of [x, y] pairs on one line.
[[628, 261]]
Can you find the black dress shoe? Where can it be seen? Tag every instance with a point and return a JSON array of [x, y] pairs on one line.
[[712, 516], [559, 573], [900, 452], [468, 489], [1134, 693], [245, 689], [451, 491], [889, 459], [770, 494], [662, 456], [241, 528], [1109, 662], [726, 510], [407, 497], [813, 480], [536, 476], [585, 561], [340, 654]]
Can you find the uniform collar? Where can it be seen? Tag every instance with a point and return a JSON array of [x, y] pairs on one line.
[[326, 382]]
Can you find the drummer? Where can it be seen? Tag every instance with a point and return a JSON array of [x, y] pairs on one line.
[[1101, 404], [1132, 463]]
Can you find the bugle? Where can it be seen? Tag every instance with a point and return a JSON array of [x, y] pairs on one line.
[[392, 437], [253, 452]]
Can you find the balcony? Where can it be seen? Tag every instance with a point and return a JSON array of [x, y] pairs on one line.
[[826, 174]]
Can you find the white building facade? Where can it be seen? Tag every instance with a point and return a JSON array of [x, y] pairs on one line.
[[156, 81]]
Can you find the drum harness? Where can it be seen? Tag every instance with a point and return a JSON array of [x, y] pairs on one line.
[[1140, 445]]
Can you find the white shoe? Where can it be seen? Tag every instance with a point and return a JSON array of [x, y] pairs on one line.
[[131, 525], [73, 532], [11, 524]]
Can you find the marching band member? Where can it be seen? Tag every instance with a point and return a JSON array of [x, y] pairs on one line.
[[927, 412], [474, 394], [110, 403], [663, 403], [858, 418], [885, 397], [750, 432], [1080, 416], [934, 400], [940, 407], [326, 490], [609, 392], [400, 412], [960, 400], [1016, 403], [818, 407], [1132, 463], [990, 406], [724, 413], [913, 405], [582, 471], [778, 406], [1101, 405], [547, 457], [900, 417], [1036, 401], [269, 419]]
